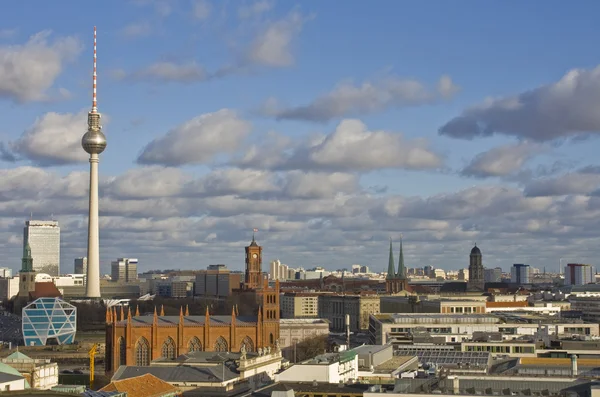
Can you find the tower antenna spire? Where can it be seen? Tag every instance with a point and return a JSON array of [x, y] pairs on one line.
[[94, 99]]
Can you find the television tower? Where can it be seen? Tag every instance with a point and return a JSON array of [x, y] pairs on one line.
[[94, 143]]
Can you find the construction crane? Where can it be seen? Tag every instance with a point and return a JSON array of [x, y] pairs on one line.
[[92, 355]]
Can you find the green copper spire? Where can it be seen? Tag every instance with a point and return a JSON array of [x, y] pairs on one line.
[[401, 272], [27, 261], [391, 274]]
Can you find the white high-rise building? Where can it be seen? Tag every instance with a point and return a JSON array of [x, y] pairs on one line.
[[519, 274], [492, 275], [278, 270], [578, 274], [44, 239], [124, 270], [274, 269], [80, 265]]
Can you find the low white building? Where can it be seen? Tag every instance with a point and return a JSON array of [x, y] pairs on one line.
[[448, 328], [42, 373], [11, 379], [328, 368]]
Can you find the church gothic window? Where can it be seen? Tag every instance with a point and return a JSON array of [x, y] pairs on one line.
[[248, 344], [142, 352], [271, 341], [221, 345], [168, 348], [122, 351], [194, 345]]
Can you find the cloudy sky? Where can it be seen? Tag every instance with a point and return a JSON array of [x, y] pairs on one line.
[[328, 128]]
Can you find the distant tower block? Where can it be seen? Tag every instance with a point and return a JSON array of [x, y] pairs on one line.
[[94, 143]]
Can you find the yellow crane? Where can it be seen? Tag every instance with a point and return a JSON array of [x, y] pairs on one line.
[[92, 355]]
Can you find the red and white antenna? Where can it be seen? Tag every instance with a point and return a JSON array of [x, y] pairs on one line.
[[94, 101]]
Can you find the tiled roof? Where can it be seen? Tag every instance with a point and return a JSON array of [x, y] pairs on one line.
[[178, 374], [146, 385], [45, 290], [190, 321], [506, 304]]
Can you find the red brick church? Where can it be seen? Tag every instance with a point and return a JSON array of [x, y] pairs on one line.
[[137, 340]]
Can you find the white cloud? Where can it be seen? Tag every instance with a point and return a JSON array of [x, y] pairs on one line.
[[581, 182], [300, 184], [273, 46], [27, 71], [502, 160], [166, 215], [198, 141], [349, 99], [562, 109], [149, 182], [53, 139], [351, 147]]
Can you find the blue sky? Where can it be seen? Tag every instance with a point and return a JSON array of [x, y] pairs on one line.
[[451, 106]]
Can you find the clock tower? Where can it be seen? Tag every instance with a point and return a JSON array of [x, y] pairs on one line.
[[254, 277]]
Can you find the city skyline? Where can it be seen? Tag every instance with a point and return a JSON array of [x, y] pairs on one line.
[[284, 117]]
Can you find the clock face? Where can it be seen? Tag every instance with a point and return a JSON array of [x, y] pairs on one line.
[[254, 256]]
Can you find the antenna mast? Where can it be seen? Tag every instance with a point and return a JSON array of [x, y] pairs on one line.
[[94, 101]]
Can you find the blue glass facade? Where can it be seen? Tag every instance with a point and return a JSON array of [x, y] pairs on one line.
[[49, 321]]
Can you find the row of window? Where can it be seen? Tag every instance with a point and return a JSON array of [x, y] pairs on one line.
[[502, 349], [168, 350]]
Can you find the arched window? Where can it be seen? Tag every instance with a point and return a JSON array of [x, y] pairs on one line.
[[142, 352], [122, 351], [271, 341], [194, 345], [248, 344], [168, 348], [221, 345]]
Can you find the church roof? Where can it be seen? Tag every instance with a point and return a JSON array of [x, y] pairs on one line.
[[401, 272], [476, 251], [191, 321], [391, 273], [176, 374], [45, 290], [145, 385]]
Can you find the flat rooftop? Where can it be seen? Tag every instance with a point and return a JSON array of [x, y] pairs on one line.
[[303, 321], [393, 364]]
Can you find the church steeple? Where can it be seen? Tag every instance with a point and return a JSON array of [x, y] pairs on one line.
[[401, 271], [391, 274], [27, 261]]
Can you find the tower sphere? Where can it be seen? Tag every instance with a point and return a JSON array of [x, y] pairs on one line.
[[93, 142]]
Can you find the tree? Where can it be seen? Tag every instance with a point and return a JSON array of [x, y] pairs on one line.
[[311, 347]]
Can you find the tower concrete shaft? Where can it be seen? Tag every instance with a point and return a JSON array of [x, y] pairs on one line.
[[94, 143], [92, 289]]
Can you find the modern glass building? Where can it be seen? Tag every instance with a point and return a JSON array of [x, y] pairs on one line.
[[49, 321]]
